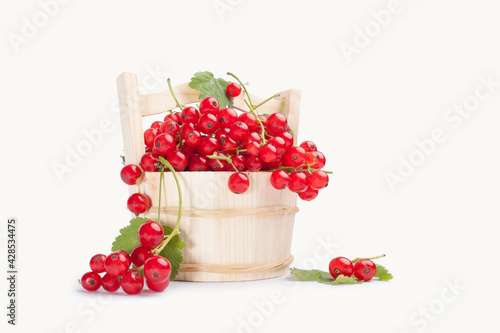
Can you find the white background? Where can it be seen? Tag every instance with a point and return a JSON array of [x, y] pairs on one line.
[[438, 227]]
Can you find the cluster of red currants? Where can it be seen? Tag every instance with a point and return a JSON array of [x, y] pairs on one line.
[[116, 265], [208, 138], [363, 270]]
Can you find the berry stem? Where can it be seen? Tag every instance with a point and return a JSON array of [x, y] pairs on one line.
[[159, 194], [139, 180], [371, 258], [174, 232], [173, 95], [241, 84], [227, 159], [265, 101]]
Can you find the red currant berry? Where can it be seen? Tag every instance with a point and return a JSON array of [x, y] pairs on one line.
[[250, 120], [227, 144], [117, 263], [97, 263], [176, 116], [227, 117], [207, 124], [156, 125], [309, 194], [91, 281], [208, 146], [274, 164], [188, 151], [157, 269], [190, 115], [185, 128], [130, 173], [288, 139], [365, 270], [252, 137], [192, 138], [238, 182], [170, 127], [140, 254], [318, 180], [132, 282], [295, 156], [222, 131], [209, 105], [150, 234], [164, 144], [268, 153], [110, 283], [263, 119], [276, 123], [199, 163], [138, 203], [178, 160], [298, 182], [316, 159], [254, 163], [233, 89], [253, 148], [158, 287], [149, 136], [309, 146], [341, 266], [239, 162], [149, 162], [279, 143], [280, 179], [218, 165], [239, 131]]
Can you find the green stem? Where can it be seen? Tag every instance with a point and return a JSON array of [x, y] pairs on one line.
[[174, 232], [159, 195], [139, 180], [262, 133], [370, 258], [241, 84], [227, 159], [173, 95], [265, 101]]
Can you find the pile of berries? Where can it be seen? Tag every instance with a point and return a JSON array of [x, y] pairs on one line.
[[207, 138], [363, 270], [117, 265]]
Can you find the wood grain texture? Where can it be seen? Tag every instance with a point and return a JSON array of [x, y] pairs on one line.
[[219, 227]]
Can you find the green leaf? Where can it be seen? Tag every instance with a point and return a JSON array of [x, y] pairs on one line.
[[382, 273], [322, 277], [209, 86], [173, 252], [128, 239]]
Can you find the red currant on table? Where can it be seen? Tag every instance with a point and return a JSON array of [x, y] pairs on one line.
[[97, 263], [138, 203], [110, 283], [365, 270], [238, 182], [298, 182], [233, 89], [158, 287], [91, 281], [117, 263], [318, 180], [341, 265], [308, 194], [130, 173], [157, 269], [149, 162], [140, 254], [280, 179], [209, 105], [164, 144], [132, 282], [150, 234]]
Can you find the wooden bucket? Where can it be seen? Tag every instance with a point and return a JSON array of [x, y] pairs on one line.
[[229, 237]]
